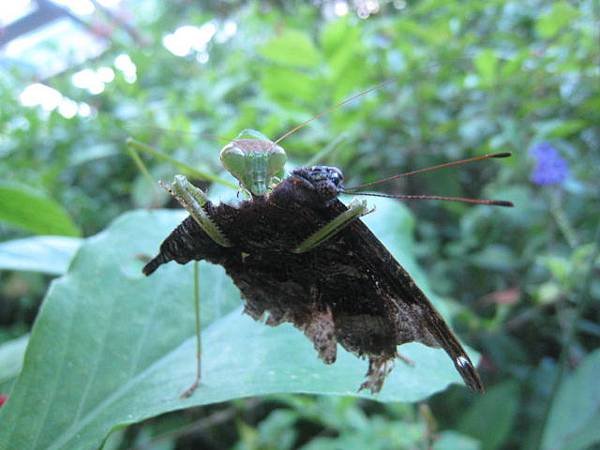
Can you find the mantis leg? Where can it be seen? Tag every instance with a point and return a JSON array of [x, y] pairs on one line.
[[189, 391], [135, 148], [193, 199], [356, 209]]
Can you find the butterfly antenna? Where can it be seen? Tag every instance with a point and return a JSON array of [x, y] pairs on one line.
[[475, 201], [330, 109], [431, 169]]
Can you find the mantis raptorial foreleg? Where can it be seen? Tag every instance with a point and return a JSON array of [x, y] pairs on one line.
[[356, 209], [193, 200], [188, 195]]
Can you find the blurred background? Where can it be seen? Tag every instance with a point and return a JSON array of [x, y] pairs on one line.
[[77, 77]]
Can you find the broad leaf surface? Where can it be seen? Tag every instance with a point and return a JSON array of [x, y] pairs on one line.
[[46, 254], [11, 359], [111, 347], [574, 421], [491, 417]]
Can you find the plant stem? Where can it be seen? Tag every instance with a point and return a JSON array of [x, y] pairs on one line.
[[562, 221]]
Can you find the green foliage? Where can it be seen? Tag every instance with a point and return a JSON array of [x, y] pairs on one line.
[[490, 419], [24, 208], [575, 415], [46, 254], [356, 428], [292, 48], [468, 77], [559, 16], [11, 359], [451, 440]]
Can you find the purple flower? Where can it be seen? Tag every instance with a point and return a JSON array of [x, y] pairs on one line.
[[550, 167]]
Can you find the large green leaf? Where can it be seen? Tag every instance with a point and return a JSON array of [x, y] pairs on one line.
[[11, 358], [491, 417], [46, 254], [111, 347], [574, 421], [28, 209]]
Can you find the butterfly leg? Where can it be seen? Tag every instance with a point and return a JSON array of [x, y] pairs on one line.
[[193, 200], [379, 368], [405, 359], [321, 331], [356, 209]]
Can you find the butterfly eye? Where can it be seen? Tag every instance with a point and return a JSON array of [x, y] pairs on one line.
[[336, 176]]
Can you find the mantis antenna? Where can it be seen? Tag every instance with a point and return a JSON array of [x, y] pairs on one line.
[[433, 168], [328, 110]]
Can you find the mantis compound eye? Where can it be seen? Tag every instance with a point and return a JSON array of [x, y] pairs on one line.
[[256, 163], [234, 160], [277, 159]]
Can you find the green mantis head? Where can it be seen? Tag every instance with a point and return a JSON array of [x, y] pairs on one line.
[[256, 161]]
